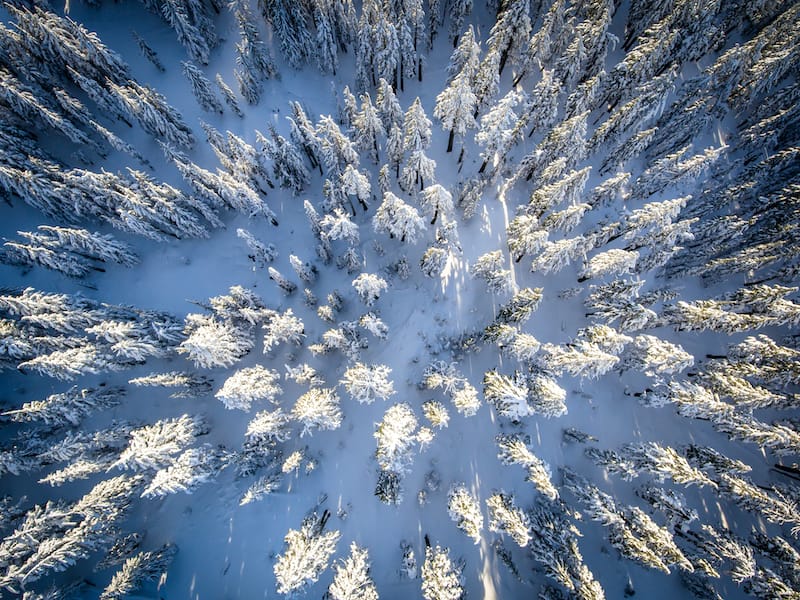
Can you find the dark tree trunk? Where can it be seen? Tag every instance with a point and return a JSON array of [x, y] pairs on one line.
[[503, 59], [450, 140], [483, 166], [461, 155]]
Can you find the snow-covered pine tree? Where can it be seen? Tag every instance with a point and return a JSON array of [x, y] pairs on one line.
[[509, 395], [465, 510], [418, 169], [228, 95], [465, 58], [308, 551], [540, 112], [154, 446], [56, 535], [610, 262], [304, 135], [286, 286], [555, 546], [506, 517], [672, 170], [514, 449], [399, 219], [260, 253], [153, 113], [365, 383], [69, 408], [351, 580], [416, 128], [290, 22], [191, 469], [287, 164], [201, 88], [387, 105], [566, 140], [510, 31], [435, 200], [318, 409], [656, 357], [248, 385], [150, 54], [455, 108], [347, 108], [632, 531], [138, 570], [497, 133], [395, 438], [356, 183], [211, 343], [369, 125], [326, 38], [282, 328], [194, 385], [436, 413], [489, 267], [525, 236], [442, 577]]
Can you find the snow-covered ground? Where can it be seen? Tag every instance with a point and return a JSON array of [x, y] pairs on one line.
[[227, 549]]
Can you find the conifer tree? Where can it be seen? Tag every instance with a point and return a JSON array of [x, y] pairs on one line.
[[351, 580], [248, 385], [307, 553], [455, 108], [465, 58], [369, 128], [365, 383], [465, 510], [417, 170], [137, 570], [150, 54], [435, 201], [442, 577], [201, 88], [395, 438], [496, 133], [318, 409], [387, 105], [290, 23], [510, 31], [505, 517]]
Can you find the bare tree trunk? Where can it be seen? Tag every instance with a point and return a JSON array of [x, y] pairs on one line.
[[450, 140]]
